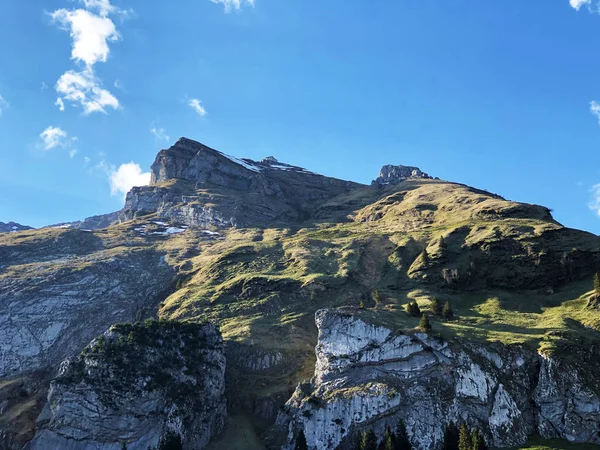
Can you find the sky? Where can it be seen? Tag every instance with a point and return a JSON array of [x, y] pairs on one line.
[[503, 96]]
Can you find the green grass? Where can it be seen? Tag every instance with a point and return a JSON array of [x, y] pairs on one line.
[[538, 443]]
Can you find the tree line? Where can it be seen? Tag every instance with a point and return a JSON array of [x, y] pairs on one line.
[[455, 438]]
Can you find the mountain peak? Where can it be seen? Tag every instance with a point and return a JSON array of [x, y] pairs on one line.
[[390, 174]]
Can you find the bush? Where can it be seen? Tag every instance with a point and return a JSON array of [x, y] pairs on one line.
[[413, 309]]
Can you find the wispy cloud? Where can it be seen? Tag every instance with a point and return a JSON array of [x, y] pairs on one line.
[[577, 4], [196, 105], [160, 133], [3, 104], [91, 30], [230, 5], [595, 199], [53, 137], [595, 109]]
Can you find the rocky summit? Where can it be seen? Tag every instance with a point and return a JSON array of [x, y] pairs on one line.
[[240, 304], [13, 227]]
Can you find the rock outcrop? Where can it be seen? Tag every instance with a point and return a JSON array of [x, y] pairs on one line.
[[13, 227], [135, 385], [200, 186], [367, 376], [396, 174]]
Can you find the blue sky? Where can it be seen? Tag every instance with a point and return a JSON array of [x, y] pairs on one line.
[[498, 95]]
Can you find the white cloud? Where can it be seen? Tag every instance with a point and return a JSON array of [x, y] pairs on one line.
[[44, 86], [125, 177], [3, 104], [84, 89], [197, 106], [160, 133], [91, 31], [233, 4], [595, 200], [72, 153], [54, 137], [86, 160], [579, 3], [595, 109]]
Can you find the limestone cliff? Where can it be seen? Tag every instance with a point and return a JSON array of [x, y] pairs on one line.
[[134, 385], [367, 376]]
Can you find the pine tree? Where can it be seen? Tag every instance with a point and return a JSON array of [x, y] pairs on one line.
[[424, 324], [443, 245], [389, 440], [424, 258], [448, 312], [402, 441], [301, 441], [597, 283], [450, 437], [436, 307], [170, 441], [478, 442], [377, 297], [464, 438], [413, 309], [369, 441], [123, 446]]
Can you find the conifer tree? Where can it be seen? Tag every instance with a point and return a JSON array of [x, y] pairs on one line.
[[478, 442], [451, 437], [369, 441], [389, 440], [402, 441], [413, 309], [424, 324], [465, 442], [377, 297], [436, 307], [448, 312], [597, 283], [301, 441], [425, 257]]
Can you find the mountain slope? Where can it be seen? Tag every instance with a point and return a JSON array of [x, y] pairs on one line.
[[258, 247]]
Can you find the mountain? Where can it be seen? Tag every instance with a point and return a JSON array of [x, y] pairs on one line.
[[308, 279], [11, 227]]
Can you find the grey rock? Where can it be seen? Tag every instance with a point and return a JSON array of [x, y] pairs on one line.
[[366, 376], [134, 385], [396, 174], [13, 227]]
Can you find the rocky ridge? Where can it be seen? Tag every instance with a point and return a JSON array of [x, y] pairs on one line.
[[13, 227]]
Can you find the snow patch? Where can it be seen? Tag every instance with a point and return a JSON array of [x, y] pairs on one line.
[[242, 163]]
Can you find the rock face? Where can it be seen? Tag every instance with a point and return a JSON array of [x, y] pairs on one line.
[[200, 186], [396, 174], [57, 293], [135, 385], [13, 227], [366, 376]]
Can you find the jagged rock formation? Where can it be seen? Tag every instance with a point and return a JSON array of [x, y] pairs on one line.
[[396, 174], [367, 376], [200, 186], [134, 385], [92, 223], [13, 227]]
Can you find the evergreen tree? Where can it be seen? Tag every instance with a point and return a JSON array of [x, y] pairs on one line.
[[424, 324], [389, 440], [464, 438], [436, 307], [377, 297], [450, 437], [425, 257], [123, 446], [443, 245], [478, 442], [597, 283], [361, 305], [170, 441], [301, 441], [402, 441], [413, 309], [369, 441], [448, 312]]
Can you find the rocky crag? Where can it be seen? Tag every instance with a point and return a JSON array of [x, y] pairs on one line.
[[256, 248], [13, 227], [135, 385], [369, 377]]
